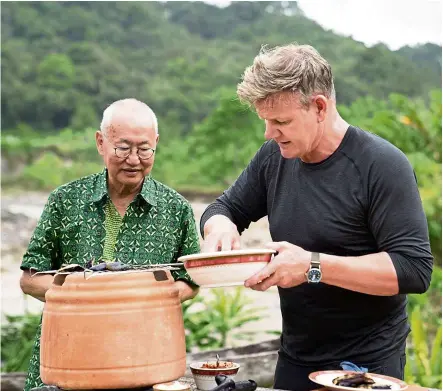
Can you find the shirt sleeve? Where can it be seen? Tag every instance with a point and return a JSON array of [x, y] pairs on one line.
[[397, 220], [41, 254], [190, 243], [245, 201]]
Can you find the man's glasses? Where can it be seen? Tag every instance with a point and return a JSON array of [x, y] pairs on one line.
[[142, 152]]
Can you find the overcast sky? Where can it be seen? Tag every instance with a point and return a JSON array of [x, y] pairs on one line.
[[393, 22]]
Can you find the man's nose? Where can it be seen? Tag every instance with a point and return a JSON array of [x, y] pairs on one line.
[[270, 131], [133, 157]]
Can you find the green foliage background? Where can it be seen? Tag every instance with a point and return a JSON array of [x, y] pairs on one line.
[[64, 62]]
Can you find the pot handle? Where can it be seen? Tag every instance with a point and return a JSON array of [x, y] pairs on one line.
[[223, 380], [227, 384], [246, 385]]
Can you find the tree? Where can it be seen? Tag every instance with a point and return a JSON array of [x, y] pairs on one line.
[[56, 71], [227, 139]]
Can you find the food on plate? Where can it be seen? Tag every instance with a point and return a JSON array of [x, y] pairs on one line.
[[217, 364], [359, 380]]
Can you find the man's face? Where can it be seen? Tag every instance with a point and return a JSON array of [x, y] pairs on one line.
[[292, 126], [129, 171]]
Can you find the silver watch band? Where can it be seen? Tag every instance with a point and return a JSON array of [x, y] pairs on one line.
[[315, 259]]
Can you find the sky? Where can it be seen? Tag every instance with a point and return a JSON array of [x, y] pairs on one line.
[[394, 22]]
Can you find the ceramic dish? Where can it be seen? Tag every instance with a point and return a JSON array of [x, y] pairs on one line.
[[225, 268], [325, 378], [205, 377]]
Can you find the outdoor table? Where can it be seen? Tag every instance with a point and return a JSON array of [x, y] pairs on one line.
[[190, 382]]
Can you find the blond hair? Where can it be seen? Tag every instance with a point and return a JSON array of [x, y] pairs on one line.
[[296, 68]]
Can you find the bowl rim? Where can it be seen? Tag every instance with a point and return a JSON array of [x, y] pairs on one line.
[[193, 365], [230, 253]]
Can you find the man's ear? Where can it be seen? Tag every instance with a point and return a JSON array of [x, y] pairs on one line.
[[99, 142], [321, 107], [157, 138]]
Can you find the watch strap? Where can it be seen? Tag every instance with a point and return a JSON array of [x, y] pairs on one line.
[[315, 259]]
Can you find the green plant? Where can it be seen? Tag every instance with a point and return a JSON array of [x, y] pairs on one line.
[[429, 303], [216, 322], [18, 334], [423, 365]]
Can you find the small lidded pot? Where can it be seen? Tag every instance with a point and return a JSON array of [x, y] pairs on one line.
[[204, 372]]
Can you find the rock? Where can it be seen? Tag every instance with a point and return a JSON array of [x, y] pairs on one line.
[[14, 381]]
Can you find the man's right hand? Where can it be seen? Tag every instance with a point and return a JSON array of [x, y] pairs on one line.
[[220, 234]]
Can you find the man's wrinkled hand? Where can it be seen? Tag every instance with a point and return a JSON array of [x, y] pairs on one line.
[[286, 269]]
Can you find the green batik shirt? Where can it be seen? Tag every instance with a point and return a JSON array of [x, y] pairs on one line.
[[158, 227]]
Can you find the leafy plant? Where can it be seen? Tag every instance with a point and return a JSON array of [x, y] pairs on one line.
[[424, 362], [429, 303], [18, 334], [217, 322]]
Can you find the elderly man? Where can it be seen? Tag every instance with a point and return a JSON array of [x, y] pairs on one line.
[[83, 220], [345, 216]]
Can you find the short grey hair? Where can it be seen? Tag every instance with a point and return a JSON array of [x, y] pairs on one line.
[[297, 68], [141, 113]]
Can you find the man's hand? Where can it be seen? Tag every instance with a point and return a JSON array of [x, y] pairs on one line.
[[185, 291], [36, 286], [221, 234], [286, 270]]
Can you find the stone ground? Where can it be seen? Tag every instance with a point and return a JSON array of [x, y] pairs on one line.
[[19, 214]]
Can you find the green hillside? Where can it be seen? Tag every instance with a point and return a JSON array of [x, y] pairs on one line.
[[64, 62]]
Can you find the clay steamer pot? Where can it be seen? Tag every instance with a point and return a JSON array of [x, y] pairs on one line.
[[112, 330]]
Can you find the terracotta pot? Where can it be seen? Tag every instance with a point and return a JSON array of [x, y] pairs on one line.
[[113, 330]]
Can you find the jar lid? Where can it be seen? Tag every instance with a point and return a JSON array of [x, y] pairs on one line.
[[172, 386]]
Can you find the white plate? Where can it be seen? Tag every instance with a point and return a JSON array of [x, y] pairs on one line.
[[225, 268], [325, 379], [230, 253], [215, 276]]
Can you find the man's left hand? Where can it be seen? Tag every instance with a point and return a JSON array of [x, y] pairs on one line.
[[185, 291], [286, 270]]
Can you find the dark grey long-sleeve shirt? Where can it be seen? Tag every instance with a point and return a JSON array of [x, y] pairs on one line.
[[362, 199]]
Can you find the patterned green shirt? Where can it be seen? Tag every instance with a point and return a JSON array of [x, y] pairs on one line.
[[158, 227]]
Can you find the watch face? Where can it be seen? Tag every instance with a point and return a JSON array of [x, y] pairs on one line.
[[314, 275]]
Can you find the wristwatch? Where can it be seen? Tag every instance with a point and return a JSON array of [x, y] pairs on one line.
[[314, 273]]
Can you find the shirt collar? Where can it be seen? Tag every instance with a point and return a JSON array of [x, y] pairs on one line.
[[148, 191], [100, 187]]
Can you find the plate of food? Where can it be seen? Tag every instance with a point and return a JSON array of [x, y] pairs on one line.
[[225, 268], [349, 380]]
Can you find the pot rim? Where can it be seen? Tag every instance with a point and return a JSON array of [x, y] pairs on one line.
[[198, 366], [229, 253]]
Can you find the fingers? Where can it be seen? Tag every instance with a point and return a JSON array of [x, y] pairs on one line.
[[226, 242], [221, 242], [278, 246], [266, 283], [262, 275], [213, 242], [236, 243]]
